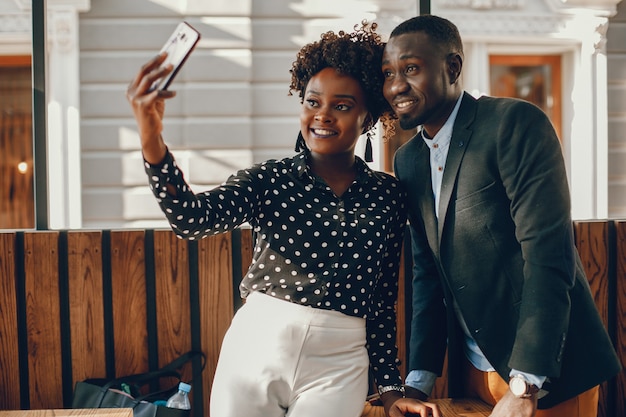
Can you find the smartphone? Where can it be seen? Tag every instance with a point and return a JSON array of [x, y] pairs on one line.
[[178, 47]]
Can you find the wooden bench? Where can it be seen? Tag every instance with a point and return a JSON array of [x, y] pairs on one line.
[[106, 303]]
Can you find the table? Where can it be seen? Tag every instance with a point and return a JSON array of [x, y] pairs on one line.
[[449, 407], [463, 407]]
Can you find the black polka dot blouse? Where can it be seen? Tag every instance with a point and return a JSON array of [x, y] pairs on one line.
[[312, 247]]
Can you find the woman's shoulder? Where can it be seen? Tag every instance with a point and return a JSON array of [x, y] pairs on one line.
[[504, 105], [385, 176], [387, 181]]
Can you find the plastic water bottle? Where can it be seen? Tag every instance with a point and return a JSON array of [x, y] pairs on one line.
[[181, 398]]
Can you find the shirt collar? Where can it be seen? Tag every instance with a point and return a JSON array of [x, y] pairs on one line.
[[445, 133]]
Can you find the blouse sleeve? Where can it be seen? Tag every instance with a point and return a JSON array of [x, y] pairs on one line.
[[211, 212]]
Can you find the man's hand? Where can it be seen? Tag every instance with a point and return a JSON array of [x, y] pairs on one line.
[[512, 406]]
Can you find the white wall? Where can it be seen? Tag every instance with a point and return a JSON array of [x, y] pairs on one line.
[[232, 106], [616, 53]]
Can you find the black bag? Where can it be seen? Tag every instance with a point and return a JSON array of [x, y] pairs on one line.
[[125, 392]]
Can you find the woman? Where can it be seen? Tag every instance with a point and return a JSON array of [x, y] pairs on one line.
[[321, 288]]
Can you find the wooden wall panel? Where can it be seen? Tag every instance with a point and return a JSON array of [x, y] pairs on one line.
[[592, 241], [247, 248], [620, 315], [86, 305], [9, 354], [127, 298], [216, 299], [43, 319], [171, 266], [128, 287]]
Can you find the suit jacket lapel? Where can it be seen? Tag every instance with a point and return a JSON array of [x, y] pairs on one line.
[[461, 134], [428, 206]]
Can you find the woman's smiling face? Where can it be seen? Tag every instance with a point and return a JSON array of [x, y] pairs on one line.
[[333, 113]]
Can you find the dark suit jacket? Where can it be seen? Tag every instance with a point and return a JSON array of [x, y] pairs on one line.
[[503, 248]]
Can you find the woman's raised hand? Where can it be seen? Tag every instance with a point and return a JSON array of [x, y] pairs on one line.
[[148, 107]]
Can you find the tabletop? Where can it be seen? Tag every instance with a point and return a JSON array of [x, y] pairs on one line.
[[449, 407]]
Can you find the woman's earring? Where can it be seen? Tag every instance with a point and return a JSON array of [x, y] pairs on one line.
[[368, 147], [300, 143]]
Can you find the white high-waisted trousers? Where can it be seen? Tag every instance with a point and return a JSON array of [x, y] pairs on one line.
[[283, 359]]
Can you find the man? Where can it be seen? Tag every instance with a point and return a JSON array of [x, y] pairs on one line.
[[496, 277]]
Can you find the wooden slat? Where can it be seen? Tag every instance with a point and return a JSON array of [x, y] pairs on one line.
[[172, 297], [128, 287], [216, 299], [9, 354], [620, 319], [247, 248], [86, 308], [592, 242], [43, 319]]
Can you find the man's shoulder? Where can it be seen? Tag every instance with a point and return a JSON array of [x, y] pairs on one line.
[[491, 103], [409, 149]]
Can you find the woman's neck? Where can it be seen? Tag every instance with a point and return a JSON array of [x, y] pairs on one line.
[[338, 171]]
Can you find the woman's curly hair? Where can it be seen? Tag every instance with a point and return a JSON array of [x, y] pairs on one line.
[[357, 54]]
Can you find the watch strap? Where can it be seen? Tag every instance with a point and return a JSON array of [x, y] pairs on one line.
[[387, 388]]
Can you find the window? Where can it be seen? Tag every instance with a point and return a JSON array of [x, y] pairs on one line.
[[16, 144]]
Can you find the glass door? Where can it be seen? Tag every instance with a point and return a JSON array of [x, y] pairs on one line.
[[534, 78]]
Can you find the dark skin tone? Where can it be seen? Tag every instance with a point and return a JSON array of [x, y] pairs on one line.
[[333, 116], [149, 106], [422, 83]]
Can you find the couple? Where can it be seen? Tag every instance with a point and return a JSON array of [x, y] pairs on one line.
[[496, 277]]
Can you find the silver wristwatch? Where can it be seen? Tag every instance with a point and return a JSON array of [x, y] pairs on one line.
[[384, 389]]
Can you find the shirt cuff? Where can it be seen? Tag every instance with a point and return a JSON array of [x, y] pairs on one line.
[[421, 380], [533, 379]]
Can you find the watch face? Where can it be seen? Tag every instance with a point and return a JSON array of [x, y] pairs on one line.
[[517, 386]]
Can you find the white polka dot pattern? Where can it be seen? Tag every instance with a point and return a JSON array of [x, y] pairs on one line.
[[312, 247]]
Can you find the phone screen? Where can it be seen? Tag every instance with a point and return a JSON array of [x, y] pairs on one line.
[[178, 47]]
